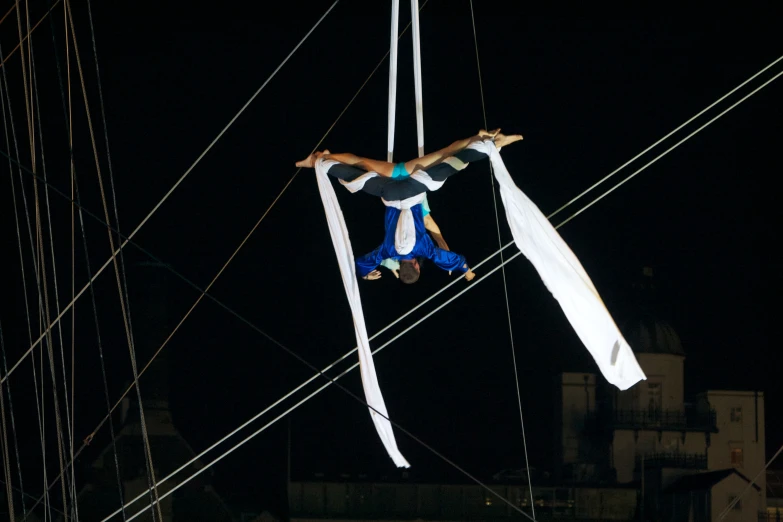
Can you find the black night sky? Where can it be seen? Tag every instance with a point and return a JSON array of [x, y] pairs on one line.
[[588, 94]]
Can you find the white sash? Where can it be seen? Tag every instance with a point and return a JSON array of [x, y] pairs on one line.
[[405, 234]]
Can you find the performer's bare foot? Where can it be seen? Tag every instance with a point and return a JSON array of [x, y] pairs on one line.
[[309, 161], [501, 140]]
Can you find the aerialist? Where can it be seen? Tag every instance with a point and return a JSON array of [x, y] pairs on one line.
[[402, 188], [432, 227]]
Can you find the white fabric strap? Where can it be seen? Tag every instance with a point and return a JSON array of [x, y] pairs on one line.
[[425, 179], [342, 248], [565, 277], [353, 186], [395, 23], [405, 234], [417, 75]]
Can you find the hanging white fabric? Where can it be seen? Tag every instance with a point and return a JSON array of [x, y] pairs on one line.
[[405, 233], [395, 21], [565, 277], [344, 252], [417, 76], [395, 16]]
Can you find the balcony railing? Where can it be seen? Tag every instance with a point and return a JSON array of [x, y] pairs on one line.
[[673, 460], [688, 420]]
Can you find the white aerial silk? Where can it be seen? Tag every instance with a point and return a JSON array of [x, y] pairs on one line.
[[417, 76], [395, 14], [565, 277], [405, 233], [342, 247]]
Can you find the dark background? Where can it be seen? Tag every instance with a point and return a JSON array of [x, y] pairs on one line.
[[588, 93]]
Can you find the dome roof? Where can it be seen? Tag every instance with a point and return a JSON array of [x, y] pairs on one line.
[[652, 335]]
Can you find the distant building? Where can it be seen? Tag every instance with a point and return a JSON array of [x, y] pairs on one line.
[[637, 455], [689, 459], [774, 512], [349, 499]]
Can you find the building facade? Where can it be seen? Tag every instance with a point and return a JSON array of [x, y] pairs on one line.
[[347, 499], [643, 454], [690, 460]]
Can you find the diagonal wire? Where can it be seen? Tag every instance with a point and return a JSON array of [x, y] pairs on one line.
[[290, 352], [6, 455], [728, 508], [505, 284], [427, 316], [705, 109], [509, 244], [165, 197], [664, 153], [119, 272], [19, 45], [506, 261], [9, 118], [61, 437], [456, 280], [205, 291], [13, 428]]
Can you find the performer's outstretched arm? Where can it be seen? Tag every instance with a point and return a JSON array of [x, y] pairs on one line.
[[433, 229]]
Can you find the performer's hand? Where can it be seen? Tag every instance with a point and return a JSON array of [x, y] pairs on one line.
[[469, 275], [396, 273], [372, 276]]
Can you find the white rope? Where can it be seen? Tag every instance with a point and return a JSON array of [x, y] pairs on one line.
[[3, 90], [295, 406], [395, 23], [686, 138], [165, 197], [289, 394], [427, 316], [39, 400], [505, 285], [206, 290], [36, 105], [119, 270], [417, 75], [708, 107]]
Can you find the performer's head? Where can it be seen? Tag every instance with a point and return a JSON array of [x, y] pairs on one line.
[[409, 270]]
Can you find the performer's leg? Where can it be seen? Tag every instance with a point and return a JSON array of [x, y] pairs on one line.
[[383, 168], [454, 163], [373, 186], [428, 160]]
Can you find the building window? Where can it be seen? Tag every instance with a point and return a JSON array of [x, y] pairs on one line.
[[737, 458], [737, 506], [736, 414], [654, 398]]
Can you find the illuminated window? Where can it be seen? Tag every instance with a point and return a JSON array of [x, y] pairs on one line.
[[736, 414], [737, 458]]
